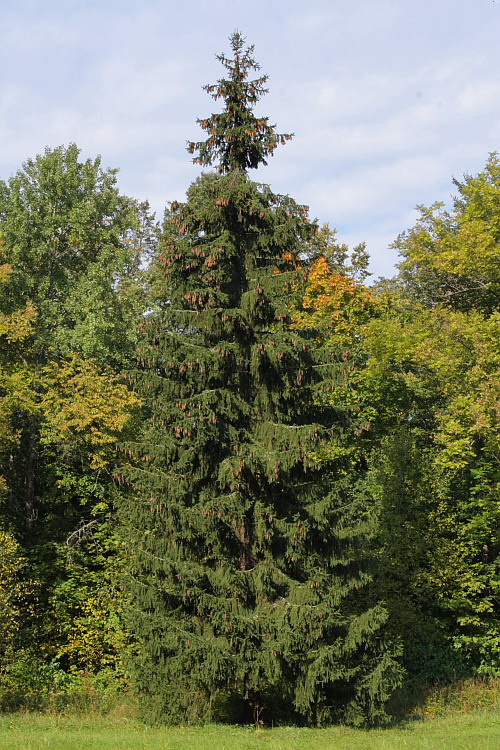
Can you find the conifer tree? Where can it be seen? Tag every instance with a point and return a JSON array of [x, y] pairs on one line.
[[245, 566]]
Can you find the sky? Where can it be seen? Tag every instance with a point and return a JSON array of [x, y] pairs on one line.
[[389, 100]]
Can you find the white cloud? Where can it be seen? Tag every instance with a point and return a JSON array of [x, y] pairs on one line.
[[388, 100], [479, 98], [343, 18]]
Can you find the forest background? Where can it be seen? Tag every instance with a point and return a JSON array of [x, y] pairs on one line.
[[415, 382]]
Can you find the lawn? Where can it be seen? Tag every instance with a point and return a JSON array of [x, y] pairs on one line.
[[474, 731]]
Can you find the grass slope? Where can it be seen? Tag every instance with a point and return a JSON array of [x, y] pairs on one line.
[[480, 730]]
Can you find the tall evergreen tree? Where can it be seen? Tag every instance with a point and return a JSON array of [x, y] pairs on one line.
[[246, 571]]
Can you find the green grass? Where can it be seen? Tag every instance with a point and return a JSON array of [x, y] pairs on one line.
[[474, 731]]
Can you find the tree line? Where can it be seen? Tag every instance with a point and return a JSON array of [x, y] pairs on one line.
[[233, 474]]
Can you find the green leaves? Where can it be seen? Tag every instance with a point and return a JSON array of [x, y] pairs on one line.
[[432, 372], [452, 257], [71, 249]]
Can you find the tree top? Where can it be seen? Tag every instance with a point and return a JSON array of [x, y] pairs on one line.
[[238, 139]]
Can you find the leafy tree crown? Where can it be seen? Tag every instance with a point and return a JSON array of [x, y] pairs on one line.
[[238, 139]]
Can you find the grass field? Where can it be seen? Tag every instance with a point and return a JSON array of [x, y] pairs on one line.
[[473, 731]]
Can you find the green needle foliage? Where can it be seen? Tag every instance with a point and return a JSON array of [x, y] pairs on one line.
[[246, 573], [237, 138]]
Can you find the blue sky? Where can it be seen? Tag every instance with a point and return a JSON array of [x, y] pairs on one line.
[[388, 99]]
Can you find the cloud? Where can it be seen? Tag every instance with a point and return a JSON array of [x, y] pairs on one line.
[[387, 101], [479, 98], [343, 19]]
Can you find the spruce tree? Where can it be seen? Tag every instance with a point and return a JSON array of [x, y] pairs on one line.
[[245, 566]]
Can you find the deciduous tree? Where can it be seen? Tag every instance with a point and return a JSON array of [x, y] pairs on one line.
[[70, 255]]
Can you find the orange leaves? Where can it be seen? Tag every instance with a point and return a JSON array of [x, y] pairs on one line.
[[335, 302]]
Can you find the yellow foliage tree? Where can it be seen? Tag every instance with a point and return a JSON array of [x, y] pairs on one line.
[[15, 379], [334, 303], [84, 403]]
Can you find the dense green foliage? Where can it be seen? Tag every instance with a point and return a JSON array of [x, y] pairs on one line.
[[307, 475], [70, 256], [424, 379], [247, 555], [238, 139]]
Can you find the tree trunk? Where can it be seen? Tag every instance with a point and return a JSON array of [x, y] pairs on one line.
[[30, 510]]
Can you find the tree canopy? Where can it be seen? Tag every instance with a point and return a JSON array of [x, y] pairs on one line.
[[234, 477]]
